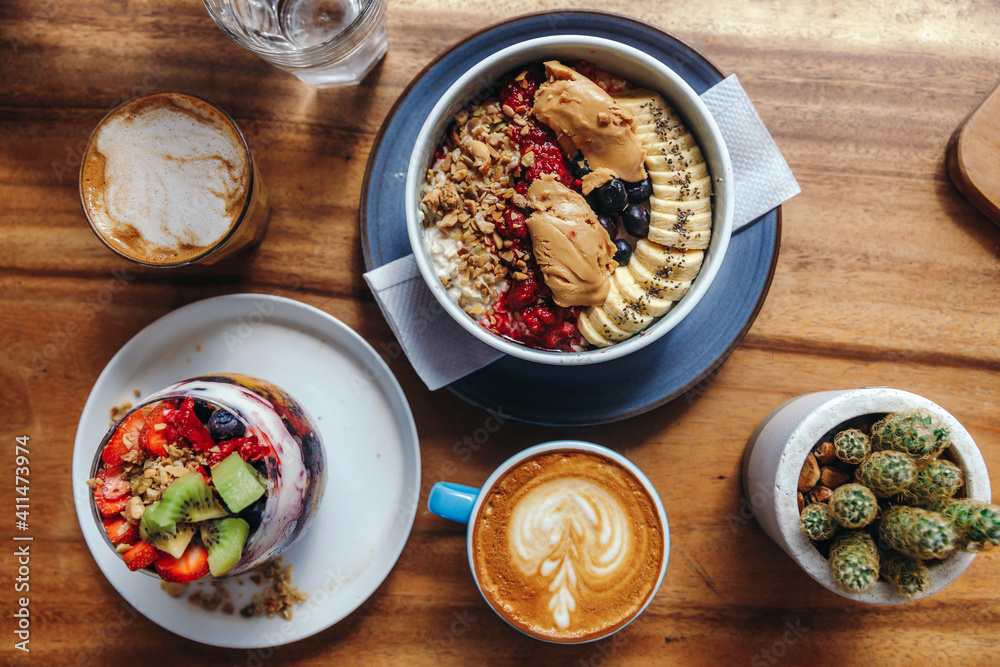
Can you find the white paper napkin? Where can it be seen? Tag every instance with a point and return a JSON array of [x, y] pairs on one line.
[[442, 352]]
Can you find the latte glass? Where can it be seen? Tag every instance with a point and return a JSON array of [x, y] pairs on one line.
[[168, 180], [567, 541], [323, 42]]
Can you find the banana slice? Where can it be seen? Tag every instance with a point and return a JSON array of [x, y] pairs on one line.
[[668, 263], [605, 326], [622, 309], [646, 301], [590, 332], [671, 290]]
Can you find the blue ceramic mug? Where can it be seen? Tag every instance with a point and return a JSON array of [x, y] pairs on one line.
[[567, 541]]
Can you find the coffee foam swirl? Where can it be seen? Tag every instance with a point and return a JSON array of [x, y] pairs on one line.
[[575, 529], [568, 545], [165, 177]]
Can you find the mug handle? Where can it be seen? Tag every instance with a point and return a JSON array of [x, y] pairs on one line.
[[452, 501]]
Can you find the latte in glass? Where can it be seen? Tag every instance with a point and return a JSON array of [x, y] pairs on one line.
[[568, 546], [167, 179]]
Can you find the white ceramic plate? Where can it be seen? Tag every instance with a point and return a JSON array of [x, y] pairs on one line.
[[373, 456]]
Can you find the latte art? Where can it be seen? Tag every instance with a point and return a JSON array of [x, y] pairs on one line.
[[566, 531], [568, 545]]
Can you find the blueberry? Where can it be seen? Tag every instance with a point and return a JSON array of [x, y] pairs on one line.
[[203, 411], [224, 425], [578, 167], [623, 253], [611, 197], [639, 192], [609, 224], [636, 220]]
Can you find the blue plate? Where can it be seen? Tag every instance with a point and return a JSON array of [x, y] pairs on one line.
[[597, 393]]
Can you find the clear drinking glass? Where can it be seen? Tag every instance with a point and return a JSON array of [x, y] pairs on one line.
[[323, 42]]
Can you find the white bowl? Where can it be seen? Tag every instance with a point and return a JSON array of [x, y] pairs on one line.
[[778, 448], [481, 80]]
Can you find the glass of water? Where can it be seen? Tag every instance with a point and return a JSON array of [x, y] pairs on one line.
[[323, 42]]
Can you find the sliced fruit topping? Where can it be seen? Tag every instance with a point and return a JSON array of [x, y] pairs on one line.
[[237, 482], [189, 426], [188, 498], [225, 539], [142, 554], [109, 507], [125, 439], [224, 425], [112, 482], [166, 535], [120, 531], [190, 565]]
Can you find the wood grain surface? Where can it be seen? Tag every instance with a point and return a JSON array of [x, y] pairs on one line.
[[887, 275]]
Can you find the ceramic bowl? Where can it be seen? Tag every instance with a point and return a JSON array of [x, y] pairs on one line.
[[481, 80], [778, 448]]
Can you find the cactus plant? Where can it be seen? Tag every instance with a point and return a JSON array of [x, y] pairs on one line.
[[918, 433], [977, 523], [886, 472], [909, 576], [817, 522], [854, 561], [936, 480], [853, 505], [851, 446], [918, 533]]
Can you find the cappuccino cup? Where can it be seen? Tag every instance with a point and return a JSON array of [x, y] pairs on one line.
[[567, 541], [167, 180]]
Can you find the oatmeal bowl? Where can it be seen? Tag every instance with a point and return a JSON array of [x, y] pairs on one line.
[[569, 200]]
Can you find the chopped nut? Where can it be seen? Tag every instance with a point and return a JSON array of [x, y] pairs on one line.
[[134, 509], [122, 548]]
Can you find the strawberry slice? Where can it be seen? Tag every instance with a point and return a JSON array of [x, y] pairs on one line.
[[226, 447], [251, 449], [141, 555], [125, 438], [114, 484], [193, 564], [120, 531], [189, 426], [159, 430], [109, 507]]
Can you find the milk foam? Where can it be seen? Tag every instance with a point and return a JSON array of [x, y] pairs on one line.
[[176, 174], [569, 529]]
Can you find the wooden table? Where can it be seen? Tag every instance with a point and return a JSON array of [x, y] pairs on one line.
[[886, 276]]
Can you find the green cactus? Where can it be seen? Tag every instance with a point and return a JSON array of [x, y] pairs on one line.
[[853, 505], [817, 522], [909, 576], [886, 473], [851, 446], [977, 523], [918, 433], [918, 533], [936, 480], [854, 561]]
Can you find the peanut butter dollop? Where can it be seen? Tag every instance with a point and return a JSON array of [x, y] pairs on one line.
[[580, 111], [573, 250]]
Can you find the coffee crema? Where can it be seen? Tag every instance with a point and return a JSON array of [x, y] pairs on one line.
[[568, 545], [167, 177]]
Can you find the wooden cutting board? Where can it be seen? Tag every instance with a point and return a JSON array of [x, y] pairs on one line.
[[973, 156]]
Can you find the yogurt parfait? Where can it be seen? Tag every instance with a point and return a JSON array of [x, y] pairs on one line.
[[210, 476]]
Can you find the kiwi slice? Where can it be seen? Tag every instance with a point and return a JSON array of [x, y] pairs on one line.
[[237, 482], [157, 528], [189, 498], [225, 539]]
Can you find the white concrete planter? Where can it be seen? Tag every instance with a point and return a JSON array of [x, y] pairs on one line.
[[778, 448]]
